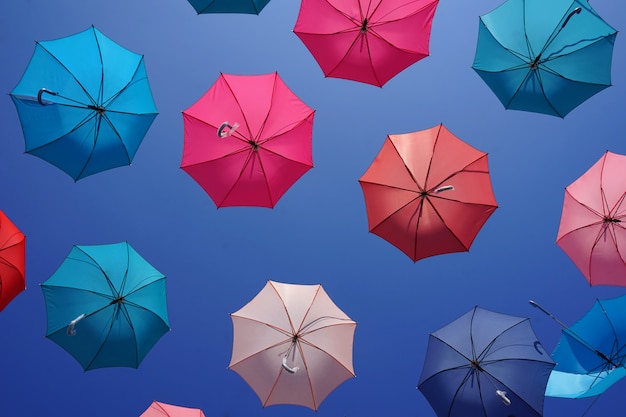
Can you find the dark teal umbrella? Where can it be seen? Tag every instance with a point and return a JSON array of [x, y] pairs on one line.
[[229, 6], [84, 103], [544, 56], [106, 306]]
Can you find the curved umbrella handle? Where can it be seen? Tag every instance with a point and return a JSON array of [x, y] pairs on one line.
[[225, 133], [70, 327], [45, 90], [444, 188], [288, 368], [503, 397]]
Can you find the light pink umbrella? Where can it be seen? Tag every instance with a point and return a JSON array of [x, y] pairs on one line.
[[369, 41], [247, 140], [292, 344], [592, 231], [158, 409]]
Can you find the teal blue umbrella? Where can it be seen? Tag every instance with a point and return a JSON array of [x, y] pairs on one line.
[[591, 354], [84, 103], [229, 6], [544, 56], [106, 306]]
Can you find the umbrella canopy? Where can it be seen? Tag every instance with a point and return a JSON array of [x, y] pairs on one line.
[[247, 140], [592, 232], [428, 193], [292, 344], [485, 364], [544, 56], [369, 41], [12, 261], [106, 306], [591, 354], [158, 409], [229, 6], [84, 103]]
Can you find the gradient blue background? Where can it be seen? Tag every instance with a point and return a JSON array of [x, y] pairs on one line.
[[217, 260]]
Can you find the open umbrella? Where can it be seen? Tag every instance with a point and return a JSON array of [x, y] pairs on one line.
[[159, 409], [247, 140], [428, 193], [84, 103], [106, 306], [369, 41], [229, 6], [292, 344], [544, 56], [591, 354], [12, 261], [592, 232], [485, 364]]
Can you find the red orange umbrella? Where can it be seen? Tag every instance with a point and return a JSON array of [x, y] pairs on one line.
[[592, 230], [428, 193], [370, 41], [12, 261], [247, 140], [158, 409], [292, 344]]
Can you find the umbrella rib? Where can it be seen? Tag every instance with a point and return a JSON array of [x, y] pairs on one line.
[[114, 291], [80, 124], [288, 340]]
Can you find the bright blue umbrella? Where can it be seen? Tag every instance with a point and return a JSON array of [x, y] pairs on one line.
[[106, 306], [544, 56], [84, 103], [229, 6], [485, 364], [591, 354]]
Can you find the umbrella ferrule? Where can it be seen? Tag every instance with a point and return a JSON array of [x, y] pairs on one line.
[[98, 109], [364, 26], [609, 219]]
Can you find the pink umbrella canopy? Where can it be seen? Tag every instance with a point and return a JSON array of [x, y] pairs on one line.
[[592, 230], [292, 344], [158, 409], [248, 139], [369, 41]]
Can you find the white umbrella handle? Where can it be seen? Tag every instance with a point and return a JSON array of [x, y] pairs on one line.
[[288, 368], [225, 133], [444, 188], [503, 397], [70, 327]]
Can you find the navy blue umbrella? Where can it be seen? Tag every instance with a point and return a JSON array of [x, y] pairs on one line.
[[485, 364]]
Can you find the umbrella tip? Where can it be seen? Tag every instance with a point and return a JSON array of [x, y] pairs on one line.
[[503, 397]]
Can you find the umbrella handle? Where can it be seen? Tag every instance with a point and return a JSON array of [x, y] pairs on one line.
[[288, 368], [231, 129], [70, 327], [45, 90], [503, 397], [444, 188]]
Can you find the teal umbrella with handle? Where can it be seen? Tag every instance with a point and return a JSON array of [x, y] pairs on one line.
[[229, 6], [106, 306], [84, 103], [544, 56]]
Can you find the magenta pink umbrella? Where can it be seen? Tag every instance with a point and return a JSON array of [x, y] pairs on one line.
[[158, 409], [592, 231], [369, 41], [247, 140], [292, 344]]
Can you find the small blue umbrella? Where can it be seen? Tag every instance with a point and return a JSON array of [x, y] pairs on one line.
[[106, 306], [84, 103], [591, 354], [485, 364], [229, 6], [544, 56]]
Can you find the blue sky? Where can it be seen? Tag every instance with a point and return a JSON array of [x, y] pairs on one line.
[[217, 260]]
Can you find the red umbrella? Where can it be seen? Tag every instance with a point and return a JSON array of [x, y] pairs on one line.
[[247, 140], [592, 231], [428, 193], [292, 344], [12, 261], [366, 40], [158, 409]]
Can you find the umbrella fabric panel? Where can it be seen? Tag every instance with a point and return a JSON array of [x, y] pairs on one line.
[[229, 6], [12, 261], [572, 385]]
